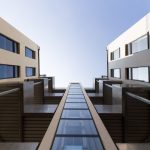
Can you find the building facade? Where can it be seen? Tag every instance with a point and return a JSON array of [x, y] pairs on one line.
[[19, 56], [129, 54]]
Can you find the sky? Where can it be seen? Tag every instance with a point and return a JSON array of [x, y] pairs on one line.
[[73, 34]]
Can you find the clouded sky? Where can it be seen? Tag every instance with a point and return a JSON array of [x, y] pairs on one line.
[[73, 34]]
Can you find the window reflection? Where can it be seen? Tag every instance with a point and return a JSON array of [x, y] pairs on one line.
[[140, 73], [76, 114], [75, 96], [30, 71], [140, 44], [9, 71], [115, 54], [115, 73], [29, 53], [76, 127], [70, 100], [8, 44], [76, 106], [77, 143]]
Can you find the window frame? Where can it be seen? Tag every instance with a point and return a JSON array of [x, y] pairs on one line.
[[132, 74], [33, 69], [131, 49], [14, 75], [17, 50], [33, 52], [112, 72], [112, 54]]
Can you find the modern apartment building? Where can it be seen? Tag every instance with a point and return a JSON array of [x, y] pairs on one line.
[[129, 54], [111, 116], [19, 56]]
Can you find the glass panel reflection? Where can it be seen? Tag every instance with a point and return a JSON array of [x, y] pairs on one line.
[[76, 114], [75, 93], [75, 96], [76, 127], [76, 106], [77, 143], [71, 100], [75, 90]]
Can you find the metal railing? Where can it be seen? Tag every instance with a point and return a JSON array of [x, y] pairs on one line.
[[9, 91], [145, 100]]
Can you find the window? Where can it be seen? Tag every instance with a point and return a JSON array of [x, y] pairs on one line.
[[8, 44], [75, 106], [115, 73], [76, 114], [139, 73], [76, 127], [138, 45], [115, 54], [30, 71], [9, 71], [29, 53], [77, 143]]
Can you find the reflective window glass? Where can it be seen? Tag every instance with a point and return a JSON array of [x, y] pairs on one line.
[[115, 54], [76, 106], [75, 91], [140, 73], [76, 127], [76, 114], [29, 53], [2, 42], [8, 71], [8, 44], [30, 71], [77, 143], [140, 44], [75, 96], [115, 73], [71, 100]]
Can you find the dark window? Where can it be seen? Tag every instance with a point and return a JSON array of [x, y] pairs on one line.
[[115, 73], [139, 44], [9, 71], [29, 53], [138, 73], [112, 56], [128, 49], [115, 54], [30, 71], [8, 44], [129, 73]]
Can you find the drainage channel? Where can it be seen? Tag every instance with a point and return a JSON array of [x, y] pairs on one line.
[[76, 129]]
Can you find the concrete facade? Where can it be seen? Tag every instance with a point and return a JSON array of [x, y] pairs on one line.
[[11, 58], [138, 59]]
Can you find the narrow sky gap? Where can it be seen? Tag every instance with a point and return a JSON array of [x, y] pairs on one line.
[[73, 35]]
